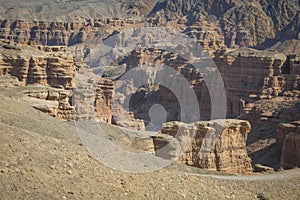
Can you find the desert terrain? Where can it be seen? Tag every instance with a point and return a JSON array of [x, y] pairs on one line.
[[144, 99]]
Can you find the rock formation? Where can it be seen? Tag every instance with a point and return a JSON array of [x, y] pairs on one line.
[[261, 86], [56, 33], [55, 102], [94, 103], [249, 75], [243, 23], [55, 68], [289, 142], [272, 119], [203, 148], [208, 34]]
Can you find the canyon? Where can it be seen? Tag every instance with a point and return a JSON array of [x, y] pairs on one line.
[[276, 81], [51, 62], [66, 63]]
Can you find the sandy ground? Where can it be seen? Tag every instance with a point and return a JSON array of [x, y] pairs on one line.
[[43, 158]]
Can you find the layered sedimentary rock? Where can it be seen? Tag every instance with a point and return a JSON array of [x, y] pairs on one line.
[[92, 100], [289, 142], [250, 75], [214, 145], [55, 102], [126, 119], [56, 33], [272, 120], [103, 98], [208, 34], [265, 96], [122, 116], [54, 67], [162, 94]]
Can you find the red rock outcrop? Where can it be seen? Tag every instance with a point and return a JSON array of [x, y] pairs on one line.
[[55, 102], [250, 75], [92, 100], [56, 33], [226, 152], [289, 142], [126, 119], [208, 34], [54, 67], [32, 66], [103, 98]]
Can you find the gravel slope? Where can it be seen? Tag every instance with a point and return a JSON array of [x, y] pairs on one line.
[[41, 158]]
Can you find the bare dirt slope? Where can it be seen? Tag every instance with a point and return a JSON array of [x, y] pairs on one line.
[[59, 10], [42, 158], [72, 10]]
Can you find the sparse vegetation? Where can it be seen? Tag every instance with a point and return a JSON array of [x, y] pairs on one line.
[[261, 196]]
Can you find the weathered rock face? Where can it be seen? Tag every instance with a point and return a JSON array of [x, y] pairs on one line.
[[93, 101], [272, 120], [56, 33], [55, 68], [264, 96], [226, 152], [208, 34], [246, 25], [126, 119], [164, 96], [243, 23], [121, 116], [250, 75], [289, 142], [55, 102], [103, 100]]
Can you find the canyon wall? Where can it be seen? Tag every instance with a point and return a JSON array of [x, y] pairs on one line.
[[199, 145], [251, 75], [55, 102], [57, 33], [49, 73], [55, 68], [258, 85], [289, 142], [248, 75], [93, 101]]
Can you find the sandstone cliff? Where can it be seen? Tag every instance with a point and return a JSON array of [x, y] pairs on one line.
[[55, 68], [289, 142], [226, 152], [249, 75], [93, 101], [256, 83], [55, 102], [58, 33]]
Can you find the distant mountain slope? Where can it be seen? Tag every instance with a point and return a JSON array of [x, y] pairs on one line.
[[244, 23], [72, 10]]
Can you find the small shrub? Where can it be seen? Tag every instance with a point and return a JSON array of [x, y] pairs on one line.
[[261, 196]]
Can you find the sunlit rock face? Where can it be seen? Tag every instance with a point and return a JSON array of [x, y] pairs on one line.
[[213, 145]]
